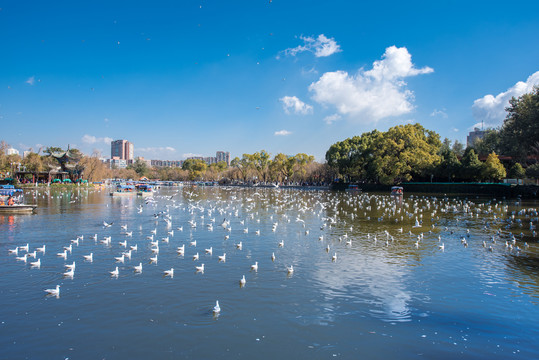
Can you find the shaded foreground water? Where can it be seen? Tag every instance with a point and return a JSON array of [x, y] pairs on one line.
[[383, 297]]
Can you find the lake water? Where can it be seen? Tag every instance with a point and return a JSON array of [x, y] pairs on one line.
[[383, 297]]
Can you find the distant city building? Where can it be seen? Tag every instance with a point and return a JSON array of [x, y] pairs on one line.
[[123, 150], [117, 163], [473, 136], [148, 162], [166, 163], [210, 160], [223, 156], [12, 151], [220, 156], [25, 153]]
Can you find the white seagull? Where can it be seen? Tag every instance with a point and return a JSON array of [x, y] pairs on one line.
[[36, 264], [216, 308], [169, 272], [53, 292], [115, 272]]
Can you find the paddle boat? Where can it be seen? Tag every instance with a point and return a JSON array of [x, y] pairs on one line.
[[397, 191], [124, 190], [353, 188], [144, 190], [12, 201]]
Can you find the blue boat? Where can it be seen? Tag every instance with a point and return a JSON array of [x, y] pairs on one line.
[[12, 201], [124, 190]]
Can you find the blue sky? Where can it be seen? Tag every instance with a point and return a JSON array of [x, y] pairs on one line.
[[193, 77]]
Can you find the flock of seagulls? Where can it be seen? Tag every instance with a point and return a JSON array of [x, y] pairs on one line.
[[334, 218]]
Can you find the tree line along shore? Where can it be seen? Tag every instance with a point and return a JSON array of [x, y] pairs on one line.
[[403, 153]]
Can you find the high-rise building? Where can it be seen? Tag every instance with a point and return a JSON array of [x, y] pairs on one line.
[[223, 156], [122, 149], [473, 136]]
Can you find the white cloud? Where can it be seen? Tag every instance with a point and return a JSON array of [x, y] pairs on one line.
[[441, 113], [296, 105], [483, 126], [371, 95], [491, 109], [31, 80], [320, 47], [156, 149], [90, 139], [188, 155], [282, 133], [330, 119]]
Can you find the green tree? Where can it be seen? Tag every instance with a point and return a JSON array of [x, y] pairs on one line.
[[471, 166], [458, 148], [405, 152], [282, 167], [516, 172], [141, 167], [301, 162], [353, 158], [449, 166], [261, 161], [520, 129], [533, 171], [195, 167], [491, 142], [493, 169], [52, 149], [33, 163], [4, 164]]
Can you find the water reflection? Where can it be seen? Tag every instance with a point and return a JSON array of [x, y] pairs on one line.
[[380, 278]]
